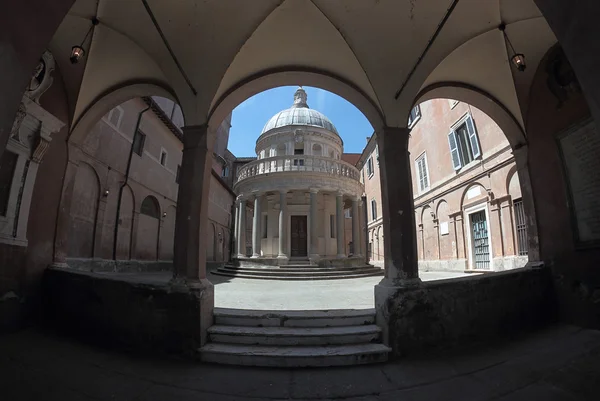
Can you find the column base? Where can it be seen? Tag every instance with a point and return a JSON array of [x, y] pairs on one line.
[[282, 259], [385, 293], [200, 312], [341, 256], [314, 258], [241, 256], [255, 256]]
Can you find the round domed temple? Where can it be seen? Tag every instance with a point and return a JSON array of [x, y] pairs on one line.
[[299, 211]]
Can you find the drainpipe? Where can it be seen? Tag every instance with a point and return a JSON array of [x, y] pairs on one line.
[[118, 215], [366, 229]]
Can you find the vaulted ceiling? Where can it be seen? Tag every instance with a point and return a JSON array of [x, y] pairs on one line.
[[201, 51]]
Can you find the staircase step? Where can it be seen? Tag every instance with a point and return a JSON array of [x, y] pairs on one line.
[[294, 335], [300, 277], [298, 272], [294, 356], [316, 318]]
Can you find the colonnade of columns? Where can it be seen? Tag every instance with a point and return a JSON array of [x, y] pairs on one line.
[[313, 247]]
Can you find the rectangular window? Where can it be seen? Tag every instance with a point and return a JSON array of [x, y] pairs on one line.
[[7, 172], [373, 209], [464, 144], [163, 157], [177, 174], [423, 173], [265, 226], [298, 162], [225, 172], [521, 226], [415, 115], [370, 167], [377, 153], [332, 226], [138, 142], [348, 213], [298, 151]]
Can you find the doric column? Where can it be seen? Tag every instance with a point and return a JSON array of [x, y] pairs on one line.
[[521, 159], [256, 227], [356, 227], [314, 238], [339, 224], [236, 227], [400, 245], [282, 224], [241, 246], [191, 218]]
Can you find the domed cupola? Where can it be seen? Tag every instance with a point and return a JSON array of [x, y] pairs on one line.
[[299, 114]]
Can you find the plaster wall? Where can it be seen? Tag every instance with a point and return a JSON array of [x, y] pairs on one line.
[[575, 267]]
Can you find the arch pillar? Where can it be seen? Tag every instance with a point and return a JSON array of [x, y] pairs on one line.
[[399, 231], [533, 240], [191, 230]]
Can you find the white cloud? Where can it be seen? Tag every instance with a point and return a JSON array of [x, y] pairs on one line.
[[320, 100]]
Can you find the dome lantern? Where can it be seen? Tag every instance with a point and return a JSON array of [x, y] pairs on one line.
[[300, 98], [299, 114]]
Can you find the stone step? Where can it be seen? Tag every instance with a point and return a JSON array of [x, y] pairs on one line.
[[294, 335], [295, 272], [315, 318], [303, 277], [294, 356]]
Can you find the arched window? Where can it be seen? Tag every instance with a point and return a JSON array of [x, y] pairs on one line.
[[150, 207], [317, 150]]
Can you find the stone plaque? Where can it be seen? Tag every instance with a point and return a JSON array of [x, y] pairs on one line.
[[580, 147]]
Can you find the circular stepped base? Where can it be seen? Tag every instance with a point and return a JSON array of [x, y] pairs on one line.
[[302, 272]]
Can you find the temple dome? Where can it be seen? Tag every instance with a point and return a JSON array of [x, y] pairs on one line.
[[299, 114]]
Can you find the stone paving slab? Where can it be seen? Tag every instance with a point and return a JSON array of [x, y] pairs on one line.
[[557, 364]]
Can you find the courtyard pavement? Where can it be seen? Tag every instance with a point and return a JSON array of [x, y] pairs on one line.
[[560, 363], [354, 293]]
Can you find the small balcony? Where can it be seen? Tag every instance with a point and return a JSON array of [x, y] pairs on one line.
[[291, 163]]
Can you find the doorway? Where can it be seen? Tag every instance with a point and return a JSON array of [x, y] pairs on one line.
[[299, 243], [481, 246]]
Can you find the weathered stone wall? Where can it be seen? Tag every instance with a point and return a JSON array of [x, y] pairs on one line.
[[575, 267], [142, 316], [447, 313]]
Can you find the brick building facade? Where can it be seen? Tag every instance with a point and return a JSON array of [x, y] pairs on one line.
[[467, 196], [141, 197]]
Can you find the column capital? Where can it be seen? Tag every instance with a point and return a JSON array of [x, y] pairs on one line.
[[339, 194], [240, 198], [195, 136], [314, 190], [395, 136]]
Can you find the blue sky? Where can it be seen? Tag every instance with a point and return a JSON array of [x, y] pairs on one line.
[[250, 117]]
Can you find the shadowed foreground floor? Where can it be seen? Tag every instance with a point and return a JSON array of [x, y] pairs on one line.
[[559, 363]]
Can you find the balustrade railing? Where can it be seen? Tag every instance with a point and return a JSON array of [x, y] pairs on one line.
[[288, 163]]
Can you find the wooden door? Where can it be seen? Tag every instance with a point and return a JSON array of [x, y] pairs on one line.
[[299, 236]]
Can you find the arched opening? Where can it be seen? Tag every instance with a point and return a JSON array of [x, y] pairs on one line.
[[148, 229], [466, 222]]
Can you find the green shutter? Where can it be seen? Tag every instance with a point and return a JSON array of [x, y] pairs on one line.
[[473, 138], [454, 152]]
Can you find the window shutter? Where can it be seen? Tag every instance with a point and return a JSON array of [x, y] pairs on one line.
[[425, 176], [456, 162], [473, 138]]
